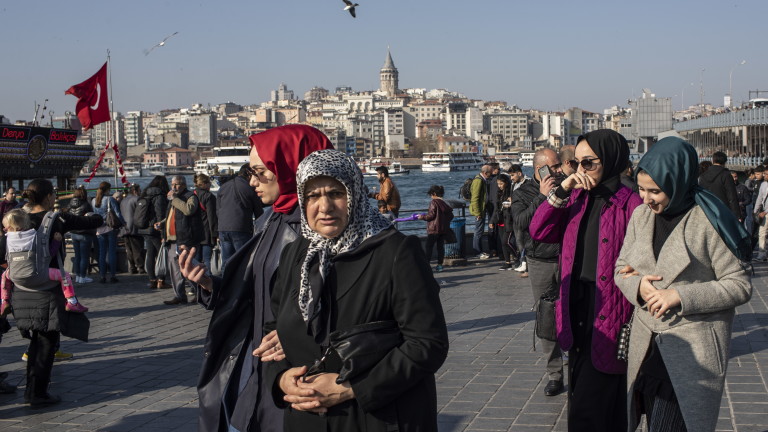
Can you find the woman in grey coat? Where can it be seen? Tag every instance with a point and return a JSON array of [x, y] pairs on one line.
[[680, 268]]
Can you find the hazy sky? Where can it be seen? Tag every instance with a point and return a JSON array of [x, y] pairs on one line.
[[535, 54]]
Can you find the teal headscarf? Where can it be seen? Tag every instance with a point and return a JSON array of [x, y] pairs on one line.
[[674, 165]]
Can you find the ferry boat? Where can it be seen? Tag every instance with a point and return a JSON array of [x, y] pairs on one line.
[[203, 167], [369, 168], [132, 169], [228, 159], [446, 162], [148, 170]]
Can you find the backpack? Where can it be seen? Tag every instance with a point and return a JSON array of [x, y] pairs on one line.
[[28, 267], [142, 214], [466, 189]]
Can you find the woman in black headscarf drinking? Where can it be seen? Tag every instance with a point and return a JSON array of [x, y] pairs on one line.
[[588, 215], [353, 273]]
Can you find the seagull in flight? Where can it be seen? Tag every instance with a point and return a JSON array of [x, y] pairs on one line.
[[350, 7], [162, 43]]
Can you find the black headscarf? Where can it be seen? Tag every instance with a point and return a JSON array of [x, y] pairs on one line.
[[612, 149]]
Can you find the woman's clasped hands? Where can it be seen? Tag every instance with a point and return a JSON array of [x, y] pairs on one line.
[[657, 301], [314, 394]]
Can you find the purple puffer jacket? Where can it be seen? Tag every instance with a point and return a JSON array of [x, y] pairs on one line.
[[561, 225]]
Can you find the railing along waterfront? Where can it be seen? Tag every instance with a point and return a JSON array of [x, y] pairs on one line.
[[747, 117]]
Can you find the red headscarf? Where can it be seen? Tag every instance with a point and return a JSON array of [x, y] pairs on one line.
[[281, 149]]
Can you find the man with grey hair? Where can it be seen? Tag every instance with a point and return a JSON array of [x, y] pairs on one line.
[[183, 229], [542, 257], [479, 192]]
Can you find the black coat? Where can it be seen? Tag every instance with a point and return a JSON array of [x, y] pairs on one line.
[[717, 179], [210, 222], [80, 207], [237, 297], [385, 278], [525, 200], [159, 203]]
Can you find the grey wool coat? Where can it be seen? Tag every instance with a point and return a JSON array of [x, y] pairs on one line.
[[693, 338]]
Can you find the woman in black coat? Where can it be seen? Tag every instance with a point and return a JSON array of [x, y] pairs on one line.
[[40, 314], [231, 387], [351, 268]]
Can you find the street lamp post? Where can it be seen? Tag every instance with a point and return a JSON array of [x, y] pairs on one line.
[[730, 82]]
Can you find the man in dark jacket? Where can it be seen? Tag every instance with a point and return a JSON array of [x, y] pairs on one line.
[[542, 257], [717, 179], [183, 228], [743, 194], [238, 207], [134, 242]]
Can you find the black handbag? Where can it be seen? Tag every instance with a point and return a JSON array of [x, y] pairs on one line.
[[450, 237], [364, 345], [546, 324], [112, 220]]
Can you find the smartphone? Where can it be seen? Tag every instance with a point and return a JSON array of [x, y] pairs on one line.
[[544, 172]]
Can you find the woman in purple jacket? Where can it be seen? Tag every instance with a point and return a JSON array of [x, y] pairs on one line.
[[588, 215]]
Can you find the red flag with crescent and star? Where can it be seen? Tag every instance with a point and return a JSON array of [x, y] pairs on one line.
[[92, 101]]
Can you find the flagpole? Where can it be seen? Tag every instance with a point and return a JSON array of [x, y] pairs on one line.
[[110, 131]]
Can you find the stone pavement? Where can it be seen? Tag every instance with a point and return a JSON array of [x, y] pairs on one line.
[[139, 370]]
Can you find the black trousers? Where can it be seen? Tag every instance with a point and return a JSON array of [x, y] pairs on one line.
[[134, 249], [42, 348], [597, 401], [153, 247], [506, 242], [440, 240]]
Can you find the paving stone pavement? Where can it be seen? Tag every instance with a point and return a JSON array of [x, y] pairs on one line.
[[138, 371]]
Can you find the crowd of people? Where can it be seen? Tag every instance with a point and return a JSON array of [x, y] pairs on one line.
[[326, 317]]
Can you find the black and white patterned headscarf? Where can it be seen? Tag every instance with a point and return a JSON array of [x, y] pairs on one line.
[[364, 222]]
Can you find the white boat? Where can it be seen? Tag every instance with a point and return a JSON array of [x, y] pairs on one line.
[[203, 167], [228, 159], [446, 162], [369, 168], [132, 169], [153, 170]]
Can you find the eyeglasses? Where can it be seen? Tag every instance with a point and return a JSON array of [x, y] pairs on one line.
[[259, 175], [587, 164]]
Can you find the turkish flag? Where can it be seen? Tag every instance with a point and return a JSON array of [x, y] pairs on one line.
[[92, 101]]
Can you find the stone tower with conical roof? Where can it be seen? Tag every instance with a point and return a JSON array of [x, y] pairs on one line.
[[389, 77]]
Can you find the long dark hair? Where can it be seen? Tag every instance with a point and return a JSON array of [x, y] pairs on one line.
[[81, 193], [37, 191], [104, 188], [159, 182]]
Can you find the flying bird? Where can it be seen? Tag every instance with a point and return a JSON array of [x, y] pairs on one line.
[[350, 7], [162, 43]]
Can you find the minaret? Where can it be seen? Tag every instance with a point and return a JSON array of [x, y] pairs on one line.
[[389, 77]]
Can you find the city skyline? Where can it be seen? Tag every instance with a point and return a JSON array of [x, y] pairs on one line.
[[541, 56]]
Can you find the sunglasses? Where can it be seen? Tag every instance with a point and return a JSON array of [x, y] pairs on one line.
[[587, 164], [318, 367]]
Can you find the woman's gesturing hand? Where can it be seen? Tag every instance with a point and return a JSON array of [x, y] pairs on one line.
[[578, 180], [195, 272], [301, 399], [270, 348], [326, 390]]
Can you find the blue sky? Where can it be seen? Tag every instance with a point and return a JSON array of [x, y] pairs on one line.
[[547, 55]]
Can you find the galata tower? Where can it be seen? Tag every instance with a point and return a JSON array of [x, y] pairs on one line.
[[388, 77]]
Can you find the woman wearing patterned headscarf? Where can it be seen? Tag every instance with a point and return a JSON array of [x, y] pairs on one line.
[[680, 268], [351, 268], [231, 386], [587, 214]]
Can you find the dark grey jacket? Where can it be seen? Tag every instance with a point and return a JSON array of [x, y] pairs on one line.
[[238, 206]]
